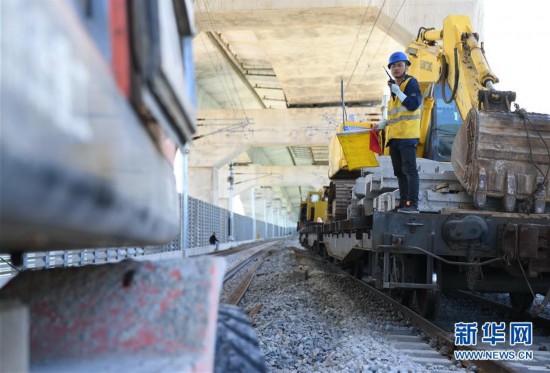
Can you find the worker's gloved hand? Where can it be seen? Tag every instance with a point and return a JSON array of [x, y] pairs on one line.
[[395, 90], [380, 125]]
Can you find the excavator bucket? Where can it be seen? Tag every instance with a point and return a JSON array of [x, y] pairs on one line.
[[505, 155]]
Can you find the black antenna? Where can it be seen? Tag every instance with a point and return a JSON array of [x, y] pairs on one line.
[[387, 73], [343, 102]]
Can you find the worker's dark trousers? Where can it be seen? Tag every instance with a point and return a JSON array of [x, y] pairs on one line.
[[403, 160]]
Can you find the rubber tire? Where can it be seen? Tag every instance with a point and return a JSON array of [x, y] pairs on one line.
[[237, 348]]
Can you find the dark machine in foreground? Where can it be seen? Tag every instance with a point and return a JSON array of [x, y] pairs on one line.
[[96, 97]]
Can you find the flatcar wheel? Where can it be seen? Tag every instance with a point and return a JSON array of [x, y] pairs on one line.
[[521, 301], [427, 301], [323, 251], [403, 296], [315, 247], [326, 255], [358, 269]]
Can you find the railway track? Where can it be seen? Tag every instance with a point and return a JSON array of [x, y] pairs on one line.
[[237, 346], [441, 333], [241, 289], [428, 342], [434, 345], [323, 320], [441, 337], [251, 263], [243, 247]]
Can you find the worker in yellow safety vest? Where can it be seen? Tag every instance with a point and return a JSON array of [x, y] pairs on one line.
[[403, 130]]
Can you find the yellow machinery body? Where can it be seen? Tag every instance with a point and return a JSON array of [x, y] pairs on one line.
[[349, 148], [495, 152], [314, 208]]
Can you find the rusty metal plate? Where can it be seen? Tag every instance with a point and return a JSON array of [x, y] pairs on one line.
[[496, 154]]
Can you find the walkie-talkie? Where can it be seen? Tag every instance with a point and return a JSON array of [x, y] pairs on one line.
[[387, 73], [389, 76]]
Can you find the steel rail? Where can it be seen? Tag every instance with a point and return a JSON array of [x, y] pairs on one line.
[[443, 337], [243, 247], [245, 283], [230, 273]]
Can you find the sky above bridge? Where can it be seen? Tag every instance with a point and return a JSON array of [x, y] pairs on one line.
[[518, 50]]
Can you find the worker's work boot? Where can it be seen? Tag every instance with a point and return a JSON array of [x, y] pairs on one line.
[[399, 206], [409, 209]]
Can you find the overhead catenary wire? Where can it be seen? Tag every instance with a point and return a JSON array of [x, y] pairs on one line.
[[365, 45], [255, 178], [223, 78], [227, 88], [356, 38], [380, 45], [226, 52], [225, 129], [225, 73], [224, 86], [209, 13]]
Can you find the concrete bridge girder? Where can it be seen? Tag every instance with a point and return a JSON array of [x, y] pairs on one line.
[[305, 48], [210, 154], [263, 128], [288, 36]]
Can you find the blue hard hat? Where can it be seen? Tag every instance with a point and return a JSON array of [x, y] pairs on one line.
[[398, 57]]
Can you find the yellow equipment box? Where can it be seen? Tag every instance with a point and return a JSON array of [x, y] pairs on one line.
[[350, 148]]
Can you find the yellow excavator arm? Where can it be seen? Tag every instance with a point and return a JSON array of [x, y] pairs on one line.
[[496, 152], [459, 60]]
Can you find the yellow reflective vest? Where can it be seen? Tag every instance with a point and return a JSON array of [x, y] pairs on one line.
[[402, 123]]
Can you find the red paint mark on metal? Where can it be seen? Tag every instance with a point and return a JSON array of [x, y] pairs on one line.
[[171, 296], [173, 346], [114, 311], [176, 274], [142, 301], [44, 309], [143, 338], [148, 266], [101, 334], [154, 291], [120, 45], [169, 308], [147, 337]]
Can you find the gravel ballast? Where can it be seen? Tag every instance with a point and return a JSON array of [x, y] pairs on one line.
[[324, 323]]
